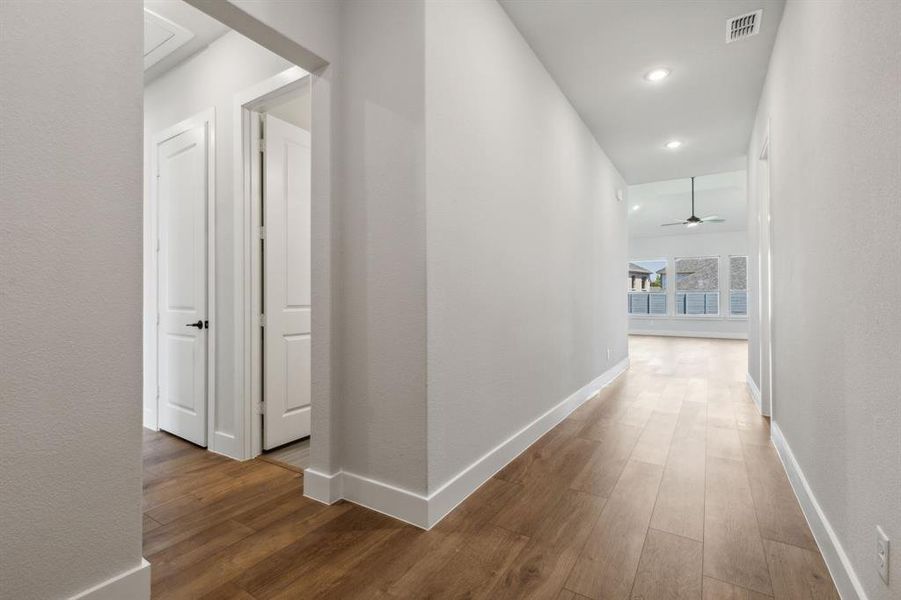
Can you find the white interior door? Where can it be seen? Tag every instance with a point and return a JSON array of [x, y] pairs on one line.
[[182, 191], [286, 283]]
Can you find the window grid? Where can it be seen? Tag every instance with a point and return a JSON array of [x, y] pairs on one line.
[[647, 287], [697, 286], [738, 286]]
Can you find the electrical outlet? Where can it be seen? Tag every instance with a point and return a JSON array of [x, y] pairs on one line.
[[882, 555]]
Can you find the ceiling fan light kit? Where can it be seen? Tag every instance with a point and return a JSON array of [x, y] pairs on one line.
[[694, 221]]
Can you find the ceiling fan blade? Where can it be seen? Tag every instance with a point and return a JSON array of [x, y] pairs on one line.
[[713, 219], [676, 223]]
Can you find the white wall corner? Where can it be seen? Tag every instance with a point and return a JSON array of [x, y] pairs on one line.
[[755, 394], [321, 487], [426, 511], [834, 555], [387, 499], [133, 584]]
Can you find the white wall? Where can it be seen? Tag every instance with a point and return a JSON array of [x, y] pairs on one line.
[[832, 103], [296, 110], [388, 123], [723, 245], [382, 310], [368, 225], [70, 296], [526, 240], [210, 78]]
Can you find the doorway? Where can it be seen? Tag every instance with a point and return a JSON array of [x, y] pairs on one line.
[[203, 104], [277, 153]]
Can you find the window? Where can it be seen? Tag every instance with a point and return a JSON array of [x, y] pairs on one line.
[[697, 286], [738, 286], [647, 287]]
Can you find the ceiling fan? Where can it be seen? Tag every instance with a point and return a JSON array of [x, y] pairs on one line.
[[694, 221]]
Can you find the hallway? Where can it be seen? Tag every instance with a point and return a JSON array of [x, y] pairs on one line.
[[664, 486]]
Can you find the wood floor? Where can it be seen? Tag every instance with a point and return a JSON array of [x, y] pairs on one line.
[[664, 486], [294, 456]]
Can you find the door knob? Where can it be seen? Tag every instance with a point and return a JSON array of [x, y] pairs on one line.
[[198, 325]]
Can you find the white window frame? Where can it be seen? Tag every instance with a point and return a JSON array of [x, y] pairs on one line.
[[666, 290], [719, 290], [747, 291]]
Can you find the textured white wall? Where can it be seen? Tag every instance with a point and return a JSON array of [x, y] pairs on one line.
[[833, 101], [210, 78], [369, 233], [388, 124], [382, 267], [734, 243], [526, 240], [70, 288]]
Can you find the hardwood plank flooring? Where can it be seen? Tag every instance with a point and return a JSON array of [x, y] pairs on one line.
[[670, 567], [664, 485], [715, 589], [294, 456]]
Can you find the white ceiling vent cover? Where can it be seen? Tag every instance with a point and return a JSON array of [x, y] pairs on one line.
[[743, 26]]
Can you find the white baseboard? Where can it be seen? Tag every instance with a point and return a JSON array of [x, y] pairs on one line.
[[717, 335], [755, 394], [834, 555], [133, 584], [448, 496], [322, 487], [150, 420], [426, 511]]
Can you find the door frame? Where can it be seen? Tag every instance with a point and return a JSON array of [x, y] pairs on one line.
[[248, 105], [765, 258], [207, 118]]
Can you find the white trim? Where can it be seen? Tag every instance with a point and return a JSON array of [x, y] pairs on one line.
[[765, 257], [151, 278], [834, 555], [755, 393], [246, 229], [448, 496], [426, 511], [322, 487], [387, 499], [720, 335], [133, 584]]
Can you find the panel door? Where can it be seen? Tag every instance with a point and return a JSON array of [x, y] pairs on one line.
[[286, 283], [182, 193]]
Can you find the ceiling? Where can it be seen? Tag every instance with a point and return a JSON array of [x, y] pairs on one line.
[[598, 52], [181, 32], [722, 194]]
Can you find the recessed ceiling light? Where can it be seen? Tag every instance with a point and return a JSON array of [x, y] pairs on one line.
[[673, 144], [657, 75]]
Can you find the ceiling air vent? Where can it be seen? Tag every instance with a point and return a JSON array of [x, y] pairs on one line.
[[743, 26]]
